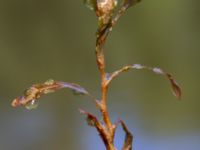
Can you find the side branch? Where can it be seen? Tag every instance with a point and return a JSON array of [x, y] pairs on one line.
[[107, 19], [33, 93], [175, 87]]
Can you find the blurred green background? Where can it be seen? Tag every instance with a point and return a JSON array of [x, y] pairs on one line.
[[42, 39]]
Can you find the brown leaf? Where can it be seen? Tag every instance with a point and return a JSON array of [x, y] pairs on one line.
[[37, 90], [106, 27], [175, 87], [128, 141], [93, 121]]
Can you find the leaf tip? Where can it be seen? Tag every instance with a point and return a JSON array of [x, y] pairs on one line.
[[176, 89], [15, 103]]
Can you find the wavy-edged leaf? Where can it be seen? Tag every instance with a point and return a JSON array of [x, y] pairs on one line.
[[37, 90], [175, 87]]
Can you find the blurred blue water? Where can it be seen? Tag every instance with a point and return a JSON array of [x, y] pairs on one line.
[[147, 141]]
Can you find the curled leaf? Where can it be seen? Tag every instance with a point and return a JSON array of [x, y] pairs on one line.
[[32, 94], [93, 121], [128, 136], [175, 87]]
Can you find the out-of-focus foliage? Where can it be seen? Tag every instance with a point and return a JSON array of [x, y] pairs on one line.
[[55, 39]]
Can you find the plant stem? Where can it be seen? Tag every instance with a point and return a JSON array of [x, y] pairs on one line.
[[110, 129], [104, 11]]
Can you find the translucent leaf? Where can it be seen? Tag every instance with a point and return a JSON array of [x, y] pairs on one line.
[[91, 4], [74, 87], [37, 90]]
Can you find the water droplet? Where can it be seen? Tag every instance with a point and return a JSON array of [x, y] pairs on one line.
[[31, 105]]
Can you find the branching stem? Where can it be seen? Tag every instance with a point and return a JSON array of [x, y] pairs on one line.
[[102, 34], [107, 19]]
